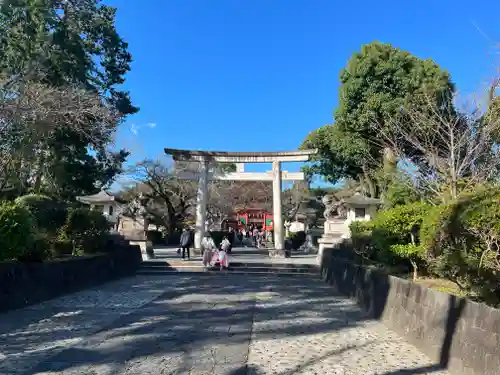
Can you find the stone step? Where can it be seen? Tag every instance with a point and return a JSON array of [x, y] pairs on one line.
[[234, 264], [216, 270], [201, 270], [173, 266]]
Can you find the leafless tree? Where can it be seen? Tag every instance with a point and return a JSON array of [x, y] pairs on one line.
[[170, 199], [489, 236], [31, 113], [446, 148], [228, 197], [293, 198]]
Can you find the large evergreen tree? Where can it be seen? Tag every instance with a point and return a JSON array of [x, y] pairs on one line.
[[61, 43], [376, 84]]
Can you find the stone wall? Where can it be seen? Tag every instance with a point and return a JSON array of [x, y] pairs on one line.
[[23, 284], [456, 333]]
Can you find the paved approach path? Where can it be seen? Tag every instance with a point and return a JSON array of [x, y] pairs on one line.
[[199, 324]]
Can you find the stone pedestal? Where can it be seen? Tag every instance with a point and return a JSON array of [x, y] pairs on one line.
[[335, 231], [146, 248], [279, 253]]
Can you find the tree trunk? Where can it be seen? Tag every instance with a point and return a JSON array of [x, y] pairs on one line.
[[38, 179], [362, 183], [415, 269], [371, 186]]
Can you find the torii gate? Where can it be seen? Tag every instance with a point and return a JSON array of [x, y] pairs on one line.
[[205, 158]]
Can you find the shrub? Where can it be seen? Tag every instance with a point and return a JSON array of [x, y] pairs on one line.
[[38, 251], [17, 231], [434, 229], [461, 239], [409, 251], [298, 239], [48, 214], [395, 233], [87, 230], [62, 246], [361, 238], [400, 192]]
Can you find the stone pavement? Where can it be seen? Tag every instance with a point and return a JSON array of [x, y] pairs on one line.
[[222, 324]]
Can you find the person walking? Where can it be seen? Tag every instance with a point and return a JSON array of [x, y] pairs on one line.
[[185, 243], [208, 247]]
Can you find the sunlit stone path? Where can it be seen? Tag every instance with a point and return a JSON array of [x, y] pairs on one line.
[[199, 324]]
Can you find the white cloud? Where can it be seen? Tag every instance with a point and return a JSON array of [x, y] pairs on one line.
[[134, 129]]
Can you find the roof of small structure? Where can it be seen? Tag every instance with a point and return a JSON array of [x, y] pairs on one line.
[[362, 200], [101, 197], [248, 209]]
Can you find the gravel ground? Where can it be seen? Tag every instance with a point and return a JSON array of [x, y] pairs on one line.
[[224, 325]]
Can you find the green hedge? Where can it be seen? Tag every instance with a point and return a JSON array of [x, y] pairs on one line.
[[460, 240], [17, 231], [48, 214], [392, 237], [361, 238], [87, 230]]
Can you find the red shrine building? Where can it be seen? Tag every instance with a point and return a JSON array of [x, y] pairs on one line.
[[251, 217]]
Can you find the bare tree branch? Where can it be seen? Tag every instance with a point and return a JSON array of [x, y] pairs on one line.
[[30, 115], [446, 147], [489, 237]]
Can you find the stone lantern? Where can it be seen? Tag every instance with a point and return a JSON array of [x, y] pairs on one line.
[[144, 242]]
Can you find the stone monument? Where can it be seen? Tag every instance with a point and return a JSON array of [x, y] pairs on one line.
[[308, 246], [141, 236], [335, 227]]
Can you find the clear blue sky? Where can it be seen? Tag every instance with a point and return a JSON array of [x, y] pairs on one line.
[[259, 75]]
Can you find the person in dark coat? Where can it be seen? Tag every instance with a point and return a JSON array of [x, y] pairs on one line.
[[185, 243]]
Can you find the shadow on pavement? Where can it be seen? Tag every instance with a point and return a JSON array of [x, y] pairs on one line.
[[190, 319], [198, 322]]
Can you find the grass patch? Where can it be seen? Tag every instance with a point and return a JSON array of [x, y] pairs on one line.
[[441, 285]]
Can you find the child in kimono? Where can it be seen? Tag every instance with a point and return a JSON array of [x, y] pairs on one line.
[[222, 253]]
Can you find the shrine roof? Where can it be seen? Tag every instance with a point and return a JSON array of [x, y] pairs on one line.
[[240, 157], [101, 197], [362, 200], [242, 210]]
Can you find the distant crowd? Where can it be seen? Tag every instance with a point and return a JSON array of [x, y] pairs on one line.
[[252, 236], [213, 255]]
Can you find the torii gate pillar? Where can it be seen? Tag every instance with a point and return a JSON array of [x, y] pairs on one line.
[[279, 240]]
